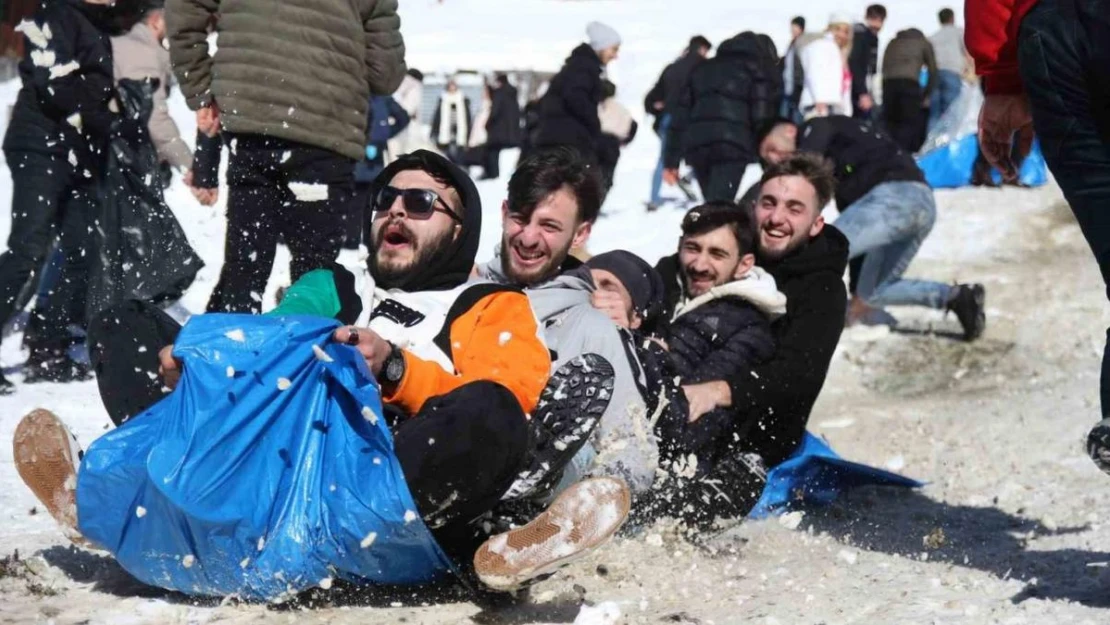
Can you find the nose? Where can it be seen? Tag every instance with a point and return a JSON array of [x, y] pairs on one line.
[[529, 235], [397, 208], [700, 264]]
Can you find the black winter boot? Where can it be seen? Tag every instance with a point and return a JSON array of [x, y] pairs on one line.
[[969, 302]]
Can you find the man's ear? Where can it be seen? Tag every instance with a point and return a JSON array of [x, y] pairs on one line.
[[581, 235], [635, 321], [817, 226], [504, 211], [747, 261]]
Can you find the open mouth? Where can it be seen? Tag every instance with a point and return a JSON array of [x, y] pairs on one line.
[[774, 233], [395, 237], [528, 258]]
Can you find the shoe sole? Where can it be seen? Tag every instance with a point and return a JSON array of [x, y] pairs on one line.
[[46, 457], [581, 519], [571, 407], [1098, 445]]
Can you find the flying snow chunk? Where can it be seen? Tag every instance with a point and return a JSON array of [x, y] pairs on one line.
[[286, 155], [283, 383], [230, 371], [36, 35], [261, 542], [326, 583], [369, 540], [309, 191], [504, 337], [410, 516], [369, 415], [244, 562], [43, 58], [72, 158], [140, 512], [61, 71], [604, 613], [188, 561], [236, 335], [321, 355]]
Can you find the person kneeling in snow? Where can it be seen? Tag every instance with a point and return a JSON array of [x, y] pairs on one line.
[[459, 363]]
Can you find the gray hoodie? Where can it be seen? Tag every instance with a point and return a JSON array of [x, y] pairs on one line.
[[624, 441]]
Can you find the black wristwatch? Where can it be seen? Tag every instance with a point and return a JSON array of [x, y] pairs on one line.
[[393, 370]]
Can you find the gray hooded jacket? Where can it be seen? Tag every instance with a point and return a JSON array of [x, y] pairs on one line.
[[625, 444]]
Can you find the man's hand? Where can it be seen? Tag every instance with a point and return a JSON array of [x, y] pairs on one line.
[[612, 305], [206, 197], [865, 102], [373, 348], [670, 176], [1001, 117], [208, 120], [169, 367], [705, 397]]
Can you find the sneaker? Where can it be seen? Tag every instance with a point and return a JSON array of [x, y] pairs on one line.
[[1098, 445], [570, 407], [969, 302], [580, 520], [46, 456]]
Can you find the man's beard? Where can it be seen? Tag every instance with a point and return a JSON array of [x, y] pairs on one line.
[[389, 275], [543, 274]]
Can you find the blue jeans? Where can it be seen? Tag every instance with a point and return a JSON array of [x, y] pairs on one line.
[[888, 225], [1064, 57], [657, 177], [948, 87]]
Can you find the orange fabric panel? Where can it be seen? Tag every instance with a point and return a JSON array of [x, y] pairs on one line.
[[496, 340]]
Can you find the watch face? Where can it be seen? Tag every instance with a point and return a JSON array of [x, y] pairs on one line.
[[395, 369]]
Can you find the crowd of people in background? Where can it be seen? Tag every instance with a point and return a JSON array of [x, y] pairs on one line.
[[715, 353]]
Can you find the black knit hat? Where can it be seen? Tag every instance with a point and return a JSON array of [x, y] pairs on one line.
[[638, 277]]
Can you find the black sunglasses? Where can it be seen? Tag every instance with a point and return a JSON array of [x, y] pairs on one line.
[[419, 203]]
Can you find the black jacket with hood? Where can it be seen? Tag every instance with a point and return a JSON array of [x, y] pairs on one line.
[[503, 126], [670, 84], [863, 157], [568, 111], [67, 83], [863, 61], [724, 103]]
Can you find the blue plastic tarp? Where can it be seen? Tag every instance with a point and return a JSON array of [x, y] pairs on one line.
[[950, 166], [268, 471], [815, 474]]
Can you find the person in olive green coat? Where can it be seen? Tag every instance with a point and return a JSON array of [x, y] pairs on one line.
[[289, 91]]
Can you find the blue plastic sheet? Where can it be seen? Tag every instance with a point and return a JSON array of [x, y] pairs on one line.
[[950, 166], [815, 474], [268, 471]]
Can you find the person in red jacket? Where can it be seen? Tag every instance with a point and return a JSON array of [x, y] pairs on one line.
[[1046, 67]]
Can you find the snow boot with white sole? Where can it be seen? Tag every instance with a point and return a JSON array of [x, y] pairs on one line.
[[581, 519], [47, 456], [570, 408]]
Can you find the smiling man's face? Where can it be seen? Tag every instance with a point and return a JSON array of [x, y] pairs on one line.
[[787, 215], [534, 247]]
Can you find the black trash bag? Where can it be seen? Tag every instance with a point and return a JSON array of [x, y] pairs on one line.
[[141, 252]]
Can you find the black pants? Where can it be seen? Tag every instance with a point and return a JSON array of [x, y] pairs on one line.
[[50, 197], [491, 161], [904, 110], [1064, 56], [719, 181], [279, 188], [459, 454]]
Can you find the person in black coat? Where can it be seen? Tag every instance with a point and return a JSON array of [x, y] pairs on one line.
[[568, 111], [56, 147], [718, 113], [770, 401], [502, 127], [863, 60]]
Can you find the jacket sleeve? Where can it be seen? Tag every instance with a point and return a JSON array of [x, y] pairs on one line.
[[680, 120], [653, 96], [816, 136], [59, 70], [931, 67], [385, 48], [769, 394], [163, 130], [990, 42], [187, 29], [748, 346], [765, 99], [858, 64], [496, 340], [581, 104], [400, 117], [322, 293], [823, 72]]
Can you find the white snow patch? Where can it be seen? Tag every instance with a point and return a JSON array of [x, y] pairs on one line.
[[244, 562], [309, 191], [37, 36], [791, 520], [897, 463], [236, 335], [283, 384], [188, 561], [140, 512], [504, 338], [43, 58], [604, 613], [410, 516], [61, 71], [326, 583], [321, 355], [369, 414], [368, 540], [230, 371], [261, 542]]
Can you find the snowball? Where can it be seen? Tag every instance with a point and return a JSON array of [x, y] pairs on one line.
[[140, 512], [410, 516], [188, 561], [230, 371], [369, 540], [326, 583], [283, 383]]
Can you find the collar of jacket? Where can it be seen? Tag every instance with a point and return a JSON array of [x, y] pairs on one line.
[[757, 288]]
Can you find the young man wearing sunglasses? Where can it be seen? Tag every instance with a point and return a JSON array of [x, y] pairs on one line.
[[460, 364]]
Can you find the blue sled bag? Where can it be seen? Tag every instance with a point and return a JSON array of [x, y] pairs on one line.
[[267, 472]]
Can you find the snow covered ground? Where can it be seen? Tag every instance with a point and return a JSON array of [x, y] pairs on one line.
[[1010, 529]]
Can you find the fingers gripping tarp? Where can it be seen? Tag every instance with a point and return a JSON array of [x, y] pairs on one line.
[[266, 472]]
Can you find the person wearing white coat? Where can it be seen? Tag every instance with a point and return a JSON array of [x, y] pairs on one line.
[[828, 81]]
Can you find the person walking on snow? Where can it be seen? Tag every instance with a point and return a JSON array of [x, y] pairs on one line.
[[886, 211], [905, 103], [503, 126], [793, 76], [952, 64], [863, 61], [294, 128], [828, 79], [1046, 67], [56, 147], [568, 111], [451, 125]]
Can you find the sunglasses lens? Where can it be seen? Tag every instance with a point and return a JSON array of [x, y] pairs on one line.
[[419, 203], [384, 200]]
